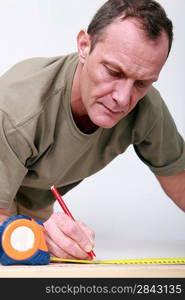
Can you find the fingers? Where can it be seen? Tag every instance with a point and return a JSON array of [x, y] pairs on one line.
[[54, 250], [67, 238], [89, 233], [65, 243], [72, 229]]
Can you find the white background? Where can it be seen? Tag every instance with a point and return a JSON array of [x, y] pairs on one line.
[[124, 200]]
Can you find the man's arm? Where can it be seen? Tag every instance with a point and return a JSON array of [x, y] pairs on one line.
[[174, 187]]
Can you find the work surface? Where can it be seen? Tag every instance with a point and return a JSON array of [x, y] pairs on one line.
[[111, 250]]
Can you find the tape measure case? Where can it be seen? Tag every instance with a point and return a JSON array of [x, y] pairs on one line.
[[22, 242]]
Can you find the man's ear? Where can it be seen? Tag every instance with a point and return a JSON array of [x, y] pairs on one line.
[[84, 44]]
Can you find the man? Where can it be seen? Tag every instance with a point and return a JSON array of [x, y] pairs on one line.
[[65, 118]]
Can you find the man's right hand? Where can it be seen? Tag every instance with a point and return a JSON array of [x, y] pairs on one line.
[[68, 238]]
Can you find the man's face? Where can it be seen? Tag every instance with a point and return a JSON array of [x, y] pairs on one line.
[[119, 71]]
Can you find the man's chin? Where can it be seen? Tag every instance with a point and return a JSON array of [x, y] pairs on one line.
[[104, 122]]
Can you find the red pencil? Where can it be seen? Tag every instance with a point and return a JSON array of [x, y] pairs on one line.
[[65, 209]]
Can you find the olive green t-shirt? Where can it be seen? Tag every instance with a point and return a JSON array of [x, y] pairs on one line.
[[41, 146]]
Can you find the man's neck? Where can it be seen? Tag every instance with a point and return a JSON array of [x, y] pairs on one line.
[[85, 124]]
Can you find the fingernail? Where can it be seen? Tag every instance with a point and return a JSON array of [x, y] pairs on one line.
[[88, 248]]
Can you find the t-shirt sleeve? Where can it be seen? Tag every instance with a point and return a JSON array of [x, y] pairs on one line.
[[12, 161], [163, 149], [34, 198]]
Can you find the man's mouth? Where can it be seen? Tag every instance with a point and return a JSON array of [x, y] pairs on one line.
[[112, 111]]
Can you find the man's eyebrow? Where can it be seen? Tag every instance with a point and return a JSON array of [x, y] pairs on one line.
[[118, 68], [114, 65]]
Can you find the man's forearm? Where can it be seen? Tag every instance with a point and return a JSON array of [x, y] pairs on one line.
[[174, 187]]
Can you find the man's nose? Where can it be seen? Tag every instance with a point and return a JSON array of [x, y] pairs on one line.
[[122, 92]]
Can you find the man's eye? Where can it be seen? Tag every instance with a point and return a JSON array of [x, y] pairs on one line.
[[113, 73], [140, 84]]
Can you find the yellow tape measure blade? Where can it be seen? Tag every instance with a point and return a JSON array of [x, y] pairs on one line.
[[138, 261]]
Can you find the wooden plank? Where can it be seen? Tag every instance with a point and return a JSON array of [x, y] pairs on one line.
[[90, 271]]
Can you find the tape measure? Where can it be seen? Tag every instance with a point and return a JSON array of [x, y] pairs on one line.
[[138, 261], [22, 242]]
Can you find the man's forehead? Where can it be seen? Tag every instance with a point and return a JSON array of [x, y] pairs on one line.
[[122, 24], [130, 29]]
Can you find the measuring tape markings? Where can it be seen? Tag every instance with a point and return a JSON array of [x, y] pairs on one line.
[[138, 261]]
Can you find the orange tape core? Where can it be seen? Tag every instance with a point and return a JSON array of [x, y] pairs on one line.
[[6, 239]]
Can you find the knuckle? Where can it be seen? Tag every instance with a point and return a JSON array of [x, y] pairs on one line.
[[83, 240], [71, 228], [69, 244], [56, 216], [51, 221], [89, 232], [47, 226]]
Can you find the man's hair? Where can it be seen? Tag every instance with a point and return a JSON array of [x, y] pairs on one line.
[[150, 14]]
